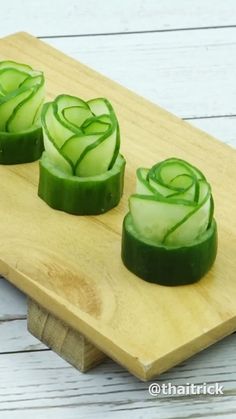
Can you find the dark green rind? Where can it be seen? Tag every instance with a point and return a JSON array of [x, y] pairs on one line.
[[81, 195], [166, 265], [23, 147]]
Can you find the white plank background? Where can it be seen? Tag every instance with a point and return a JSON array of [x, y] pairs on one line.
[[80, 17], [180, 54]]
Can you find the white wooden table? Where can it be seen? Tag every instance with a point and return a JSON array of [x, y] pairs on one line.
[[180, 54]]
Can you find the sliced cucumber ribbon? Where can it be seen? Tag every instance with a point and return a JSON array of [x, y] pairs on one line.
[[21, 101], [21, 97], [81, 138], [173, 204], [81, 171]]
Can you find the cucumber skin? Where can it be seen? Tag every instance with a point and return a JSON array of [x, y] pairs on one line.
[[23, 147], [75, 195], [165, 265]]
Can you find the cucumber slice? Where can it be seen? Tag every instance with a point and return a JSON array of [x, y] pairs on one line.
[[22, 147], [24, 114], [193, 227], [100, 106], [95, 125], [2, 92], [73, 118], [58, 160], [169, 235], [67, 101], [85, 134], [171, 169], [21, 98], [195, 223], [76, 115], [20, 86], [74, 146], [105, 118], [37, 117], [81, 195], [97, 157], [154, 218], [10, 103], [187, 187], [17, 66], [173, 203], [57, 131], [159, 188], [11, 79], [181, 181], [31, 81], [143, 187], [168, 265]]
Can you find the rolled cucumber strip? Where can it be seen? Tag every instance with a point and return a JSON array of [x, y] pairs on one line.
[[169, 235], [81, 171], [21, 100]]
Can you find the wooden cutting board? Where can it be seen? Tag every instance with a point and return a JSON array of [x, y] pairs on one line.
[[71, 265]]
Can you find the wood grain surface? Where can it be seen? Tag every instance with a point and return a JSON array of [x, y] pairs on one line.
[[72, 265], [65, 341]]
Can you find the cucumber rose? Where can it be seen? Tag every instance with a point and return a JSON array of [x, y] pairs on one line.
[[21, 100], [81, 170], [170, 235]]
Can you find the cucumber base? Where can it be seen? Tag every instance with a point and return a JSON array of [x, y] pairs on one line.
[[22, 147], [81, 195], [168, 265]]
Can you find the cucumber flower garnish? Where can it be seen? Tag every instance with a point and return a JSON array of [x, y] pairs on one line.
[[169, 235], [21, 100], [173, 204], [82, 142]]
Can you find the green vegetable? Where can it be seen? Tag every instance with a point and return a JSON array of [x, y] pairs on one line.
[[21, 100], [81, 171], [169, 235]]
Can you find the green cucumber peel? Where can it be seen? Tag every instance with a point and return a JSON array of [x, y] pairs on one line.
[[81, 195], [168, 265]]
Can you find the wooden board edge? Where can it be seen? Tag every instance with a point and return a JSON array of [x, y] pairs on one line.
[[138, 367], [190, 349]]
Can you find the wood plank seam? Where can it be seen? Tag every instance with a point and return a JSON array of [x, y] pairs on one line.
[[142, 32]]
